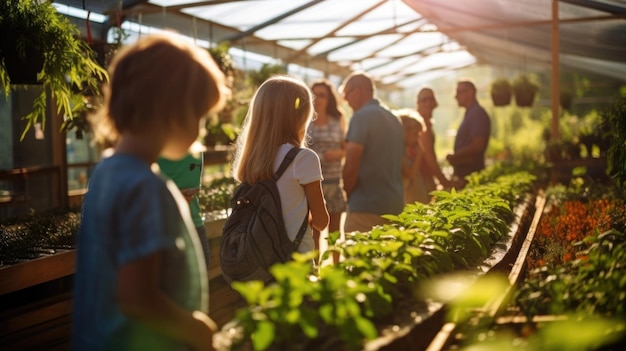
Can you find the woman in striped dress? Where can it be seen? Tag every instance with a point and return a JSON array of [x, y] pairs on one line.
[[327, 139]]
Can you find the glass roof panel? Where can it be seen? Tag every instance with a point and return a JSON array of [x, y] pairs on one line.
[[363, 48], [394, 66], [316, 21], [334, 29], [389, 15], [504, 33], [327, 44], [371, 63], [243, 15], [294, 44], [414, 43]]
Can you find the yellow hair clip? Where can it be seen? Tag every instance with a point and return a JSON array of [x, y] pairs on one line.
[[297, 103]]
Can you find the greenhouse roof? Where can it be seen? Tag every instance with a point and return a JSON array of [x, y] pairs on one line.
[[400, 43]]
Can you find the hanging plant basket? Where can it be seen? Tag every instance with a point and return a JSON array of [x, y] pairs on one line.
[[524, 91], [501, 92], [39, 45], [22, 64]]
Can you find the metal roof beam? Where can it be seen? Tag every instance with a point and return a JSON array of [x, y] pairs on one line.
[[363, 37], [341, 26], [201, 3], [252, 30], [394, 42], [418, 53]]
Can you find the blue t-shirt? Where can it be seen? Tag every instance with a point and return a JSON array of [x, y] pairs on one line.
[[129, 212], [476, 123], [378, 189]]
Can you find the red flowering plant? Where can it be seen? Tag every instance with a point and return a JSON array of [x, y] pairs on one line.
[[564, 226], [576, 263], [574, 212]]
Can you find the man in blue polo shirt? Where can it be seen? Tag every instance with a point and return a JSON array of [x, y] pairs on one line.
[[372, 173], [472, 136]]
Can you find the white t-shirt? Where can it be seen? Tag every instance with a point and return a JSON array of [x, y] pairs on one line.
[[304, 169]]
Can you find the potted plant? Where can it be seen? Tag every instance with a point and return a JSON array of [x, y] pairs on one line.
[[40, 46], [267, 70], [524, 91], [501, 91]]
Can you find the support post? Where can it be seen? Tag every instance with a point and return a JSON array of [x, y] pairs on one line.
[[556, 76]]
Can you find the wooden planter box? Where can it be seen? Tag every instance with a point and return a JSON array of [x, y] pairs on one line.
[[40, 270], [36, 298], [223, 301], [36, 303]]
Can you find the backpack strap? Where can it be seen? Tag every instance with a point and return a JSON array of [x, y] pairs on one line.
[[302, 230], [291, 155]]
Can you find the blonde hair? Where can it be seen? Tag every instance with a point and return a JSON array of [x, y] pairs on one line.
[[279, 113], [158, 79]]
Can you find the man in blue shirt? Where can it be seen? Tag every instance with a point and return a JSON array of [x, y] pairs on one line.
[[472, 136], [372, 173]]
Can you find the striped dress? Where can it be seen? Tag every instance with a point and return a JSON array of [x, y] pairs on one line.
[[327, 137]]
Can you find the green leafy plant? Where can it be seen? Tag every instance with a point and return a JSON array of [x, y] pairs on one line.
[[224, 61], [216, 195], [301, 312], [35, 31], [267, 70], [339, 306], [592, 284], [614, 131]]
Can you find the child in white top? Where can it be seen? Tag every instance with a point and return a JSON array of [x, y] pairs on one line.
[[277, 119]]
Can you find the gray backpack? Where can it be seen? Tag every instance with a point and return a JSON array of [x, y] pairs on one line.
[[254, 236]]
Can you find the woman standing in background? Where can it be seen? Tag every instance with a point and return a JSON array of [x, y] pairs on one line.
[[327, 138], [429, 167]]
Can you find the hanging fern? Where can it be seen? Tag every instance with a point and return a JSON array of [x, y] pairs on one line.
[[69, 66], [614, 127]]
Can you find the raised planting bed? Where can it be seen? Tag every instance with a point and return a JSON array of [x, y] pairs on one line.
[[416, 326], [445, 337], [36, 280], [570, 288], [372, 298], [36, 284]]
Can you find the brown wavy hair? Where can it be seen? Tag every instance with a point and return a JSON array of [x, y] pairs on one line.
[[332, 108]]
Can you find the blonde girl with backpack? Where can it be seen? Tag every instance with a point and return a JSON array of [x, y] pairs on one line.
[[276, 122]]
